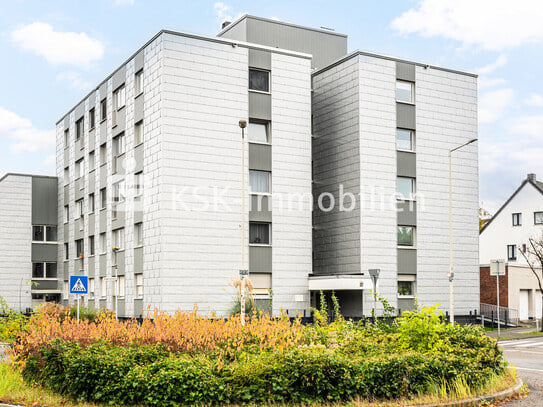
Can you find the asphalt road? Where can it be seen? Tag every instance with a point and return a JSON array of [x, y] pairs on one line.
[[527, 356]]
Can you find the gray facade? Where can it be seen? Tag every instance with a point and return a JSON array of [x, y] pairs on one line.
[[28, 250]]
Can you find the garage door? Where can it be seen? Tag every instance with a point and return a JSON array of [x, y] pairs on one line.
[[538, 304], [523, 305]]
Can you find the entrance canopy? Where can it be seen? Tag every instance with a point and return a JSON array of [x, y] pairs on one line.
[[338, 282]]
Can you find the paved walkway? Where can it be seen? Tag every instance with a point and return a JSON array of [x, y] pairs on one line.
[[527, 356]]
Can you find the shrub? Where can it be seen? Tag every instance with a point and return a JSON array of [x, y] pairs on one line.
[[11, 322], [189, 359]]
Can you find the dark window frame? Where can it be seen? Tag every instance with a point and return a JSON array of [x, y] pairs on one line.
[[252, 82], [511, 252], [517, 219]]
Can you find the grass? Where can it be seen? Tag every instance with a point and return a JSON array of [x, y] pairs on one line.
[[14, 390]]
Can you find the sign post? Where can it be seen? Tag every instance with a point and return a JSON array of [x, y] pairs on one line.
[[79, 285], [497, 268], [374, 274]]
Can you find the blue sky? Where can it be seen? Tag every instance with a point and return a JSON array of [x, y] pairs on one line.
[[54, 52]]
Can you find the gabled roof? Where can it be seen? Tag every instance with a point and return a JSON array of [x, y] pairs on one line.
[[536, 184]]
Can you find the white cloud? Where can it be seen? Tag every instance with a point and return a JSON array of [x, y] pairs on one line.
[[534, 100], [485, 70], [485, 83], [24, 136], [75, 80], [58, 48], [492, 104], [491, 24], [223, 12]]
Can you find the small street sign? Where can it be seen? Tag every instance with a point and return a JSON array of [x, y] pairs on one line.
[[79, 285], [497, 267], [243, 273]]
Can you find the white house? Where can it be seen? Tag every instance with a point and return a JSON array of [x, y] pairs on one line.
[[504, 237]]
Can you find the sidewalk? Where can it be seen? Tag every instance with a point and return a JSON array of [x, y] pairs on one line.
[[515, 333]]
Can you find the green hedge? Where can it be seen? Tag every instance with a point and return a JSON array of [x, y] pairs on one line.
[[149, 376]]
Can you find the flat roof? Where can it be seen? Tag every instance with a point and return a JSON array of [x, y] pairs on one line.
[[194, 36], [269, 20], [390, 58], [17, 174]]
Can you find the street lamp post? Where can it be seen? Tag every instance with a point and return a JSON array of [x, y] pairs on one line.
[[451, 271], [242, 125]]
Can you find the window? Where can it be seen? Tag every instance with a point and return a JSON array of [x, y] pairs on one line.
[[120, 286], [79, 248], [103, 287], [92, 161], [138, 233], [50, 270], [138, 79], [44, 234], [118, 192], [517, 219], [79, 128], [138, 133], [38, 270], [103, 198], [91, 287], [139, 285], [538, 218], [78, 168], [103, 154], [118, 145], [511, 252], [91, 245], [44, 270], [259, 80], [138, 183], [103, 246], [118, 239], [66, 175], [91, 203], [119, 98], [66, 213], [38, 234], [79, 208], [406, 236], [524, 248], [103, 109], [405, 92], [66, 137], [405, 188], [406, 288], [259, 233], [92, 119], [258, 132], [51, 234], [404, 140], [259, 181], [66, 251]]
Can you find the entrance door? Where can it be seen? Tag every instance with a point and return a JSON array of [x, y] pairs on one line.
[[524, 305]]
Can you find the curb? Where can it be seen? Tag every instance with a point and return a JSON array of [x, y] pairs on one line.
[[475, 401]]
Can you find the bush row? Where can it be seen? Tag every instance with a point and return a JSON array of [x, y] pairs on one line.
[[151, 375]]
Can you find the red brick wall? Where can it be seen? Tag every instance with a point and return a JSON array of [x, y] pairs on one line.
[[488, 287]]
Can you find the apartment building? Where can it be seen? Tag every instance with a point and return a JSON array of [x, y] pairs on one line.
[[28, 242], [383, 128], [150, 167], [504, 237]]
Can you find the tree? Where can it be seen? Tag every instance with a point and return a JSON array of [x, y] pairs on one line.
[[484, 217], [533, 254]]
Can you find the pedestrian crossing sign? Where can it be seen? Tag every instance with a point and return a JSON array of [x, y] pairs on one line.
[[79, 285]]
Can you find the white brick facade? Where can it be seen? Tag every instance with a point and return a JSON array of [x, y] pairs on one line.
[[15, 240]]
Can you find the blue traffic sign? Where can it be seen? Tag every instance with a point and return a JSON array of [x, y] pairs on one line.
[[79, 285]]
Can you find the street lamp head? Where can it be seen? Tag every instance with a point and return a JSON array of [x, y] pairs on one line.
[[242, 124], [472, 141]]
